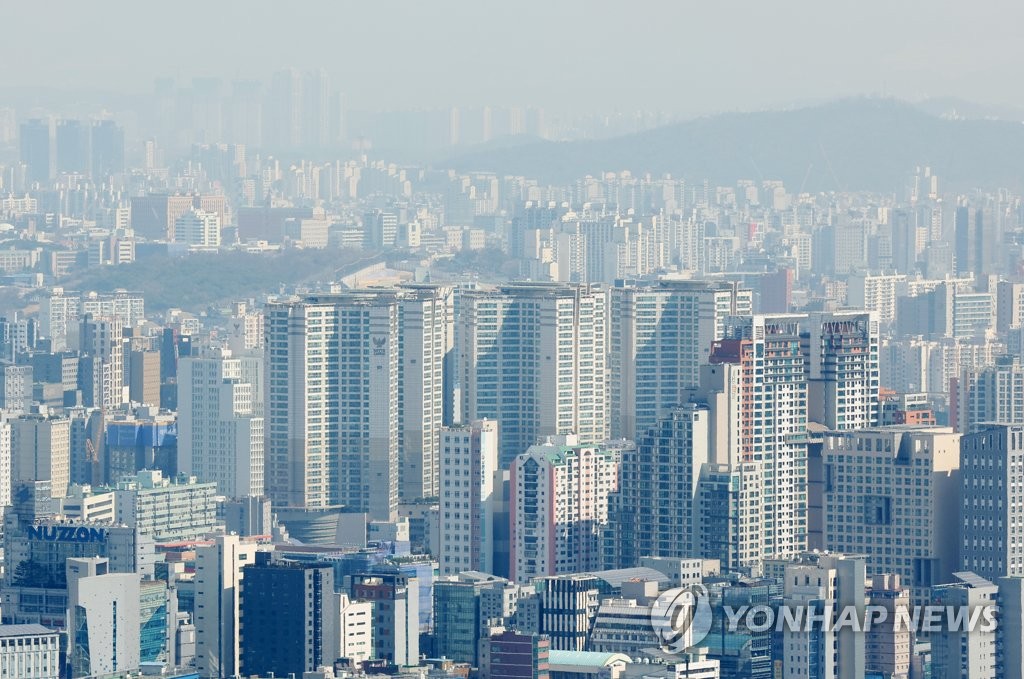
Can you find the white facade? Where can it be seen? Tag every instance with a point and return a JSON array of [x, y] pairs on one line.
[[217, 601], [198, 229], [554, 335], [104, 623], [29, 652], [843, 372], [558, 507], [469, 462], [332, 411], [356, 629], [41, 449], [659, 337], [220, 420], [876, 292]]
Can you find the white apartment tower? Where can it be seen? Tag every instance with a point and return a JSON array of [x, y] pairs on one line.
[[466, 505], [842, 350], [759, 431], [220, 422], [426, 341], [558, 507], [990, 394], [332, 408], [659, 337], [533, 357]]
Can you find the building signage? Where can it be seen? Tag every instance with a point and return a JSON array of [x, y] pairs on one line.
[[67, 534]]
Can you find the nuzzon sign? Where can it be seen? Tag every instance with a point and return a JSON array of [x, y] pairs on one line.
[[67, 534]]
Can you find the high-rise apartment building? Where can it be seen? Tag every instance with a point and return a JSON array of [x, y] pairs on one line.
[[220, 421], [36, 150], [426, 339], [72, 137], [876, 292], [467, 500], [533, 357], [990, 394], [558, 507], [892, 494], [757, 388], [107, 150], [103, 339], [655, 511], [992, 491], [842, 350], [659, 337], [356, 394], [332, 371]]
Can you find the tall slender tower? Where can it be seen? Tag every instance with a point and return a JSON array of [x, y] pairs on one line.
[[355, 397], [843, 372], [332, 403], [533, 357], [757, 387], [659, 337]]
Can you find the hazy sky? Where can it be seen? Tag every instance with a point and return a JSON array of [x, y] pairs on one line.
[[628, 54]]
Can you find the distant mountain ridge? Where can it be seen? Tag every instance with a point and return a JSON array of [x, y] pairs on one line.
[[849, 145]]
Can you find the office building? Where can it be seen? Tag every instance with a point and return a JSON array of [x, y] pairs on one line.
[[992, 492], [168, 510], [886, 481], [104, 622], [198, 229], [15, 388], [554, 334], [29, 652], [660, 335], [656, 509], [843, 371], [568, 609], [218, 581], [41, 449], [396, 615], [467, 502], [144, 377], [559, 507], [220, 420], [291, 615], [509, 654], [465, 605]]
